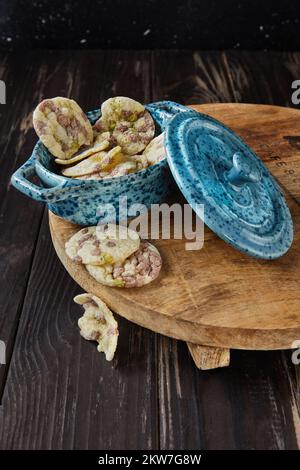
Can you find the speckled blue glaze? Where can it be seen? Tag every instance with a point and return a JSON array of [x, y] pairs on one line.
[[211, 165], [243, 204], [79, 200], [163, 111]]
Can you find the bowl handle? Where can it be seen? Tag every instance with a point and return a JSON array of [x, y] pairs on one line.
[[20, 181], [163, 111]]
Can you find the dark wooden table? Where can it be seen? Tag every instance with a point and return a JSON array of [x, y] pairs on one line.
[[57, 391]]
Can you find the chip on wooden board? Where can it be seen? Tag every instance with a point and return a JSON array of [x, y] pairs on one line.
[[139, 269], [102, 244]]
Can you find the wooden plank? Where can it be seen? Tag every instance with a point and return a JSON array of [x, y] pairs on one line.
[[264, 77], [195, 409], [276, 73], [191, 77], [244, 406], [19, 220], [207, 358], [60, 392], [248, 405], [292, 373], [252, 404]]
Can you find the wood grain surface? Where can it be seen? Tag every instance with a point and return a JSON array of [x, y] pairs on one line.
[[218, 296], [206, 357], [58, 392]]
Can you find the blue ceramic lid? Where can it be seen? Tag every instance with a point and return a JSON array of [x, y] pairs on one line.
[[163, 111], [243, 204]]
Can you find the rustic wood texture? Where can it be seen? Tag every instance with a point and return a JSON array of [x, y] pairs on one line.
[[58, 391], [258, 419], [19, 222], [241, 302], [206, 357], [73, 398]]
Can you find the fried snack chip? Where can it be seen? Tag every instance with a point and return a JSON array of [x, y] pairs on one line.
[[98, 146], [102, 244], [120, 108], [140, 161], [98, 324], [137, 270], [155, 150], [122, 169], [119, 170], [62, 126], [100, 161], [130, 124]]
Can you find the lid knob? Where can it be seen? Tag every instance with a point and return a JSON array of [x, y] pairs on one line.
[[243, 171]]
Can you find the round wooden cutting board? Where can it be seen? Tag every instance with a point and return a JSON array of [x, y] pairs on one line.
[[218, 296]]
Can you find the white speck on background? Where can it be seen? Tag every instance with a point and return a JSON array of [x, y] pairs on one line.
[[82, 41], [145, 33]]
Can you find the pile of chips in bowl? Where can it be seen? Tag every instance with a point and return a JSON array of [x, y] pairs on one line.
[[121, 142]]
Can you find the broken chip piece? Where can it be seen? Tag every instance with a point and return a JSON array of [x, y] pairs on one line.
[[155, 151], [98, 324]]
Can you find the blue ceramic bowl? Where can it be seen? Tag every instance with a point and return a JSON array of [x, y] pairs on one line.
[[87, 202]]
